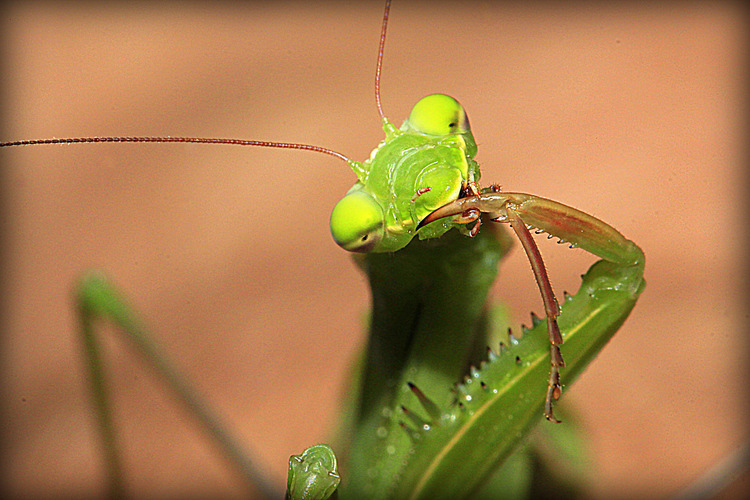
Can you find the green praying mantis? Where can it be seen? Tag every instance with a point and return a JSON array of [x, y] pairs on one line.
[[393, 204]]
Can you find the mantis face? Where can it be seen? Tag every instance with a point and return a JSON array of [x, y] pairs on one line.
[[417, 169]]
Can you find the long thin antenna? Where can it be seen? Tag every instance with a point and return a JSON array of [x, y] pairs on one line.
[[379, 66], [235, 142], [196, 140]]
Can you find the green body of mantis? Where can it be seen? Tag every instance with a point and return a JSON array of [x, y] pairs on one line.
[[416, 326], [434, 413]]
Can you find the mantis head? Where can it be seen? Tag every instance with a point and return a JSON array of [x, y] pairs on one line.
[[358, 219]]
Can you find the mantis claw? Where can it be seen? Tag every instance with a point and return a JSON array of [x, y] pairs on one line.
[[524, 212], [470, 216], [472, 188], [564, 222], [475, 229]]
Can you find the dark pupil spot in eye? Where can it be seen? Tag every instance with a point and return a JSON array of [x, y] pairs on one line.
[[452, 124], [364, 238]]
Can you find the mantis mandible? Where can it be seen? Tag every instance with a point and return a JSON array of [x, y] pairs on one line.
[[407, 217]]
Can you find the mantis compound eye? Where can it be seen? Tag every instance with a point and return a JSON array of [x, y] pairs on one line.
[[438, 115], [357, 222]]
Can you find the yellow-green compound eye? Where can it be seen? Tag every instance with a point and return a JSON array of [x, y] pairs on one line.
[[438, 114], [357, 222]]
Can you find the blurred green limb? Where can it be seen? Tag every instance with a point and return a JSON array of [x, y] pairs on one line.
[[96, 298]]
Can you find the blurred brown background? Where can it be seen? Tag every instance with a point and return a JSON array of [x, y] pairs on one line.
[[633, 114]]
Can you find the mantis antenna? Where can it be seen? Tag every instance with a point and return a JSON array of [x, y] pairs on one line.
[[379, 65], [232, 142], [197, 140]]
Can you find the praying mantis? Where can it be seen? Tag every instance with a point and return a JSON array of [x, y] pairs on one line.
[[488, 207]]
